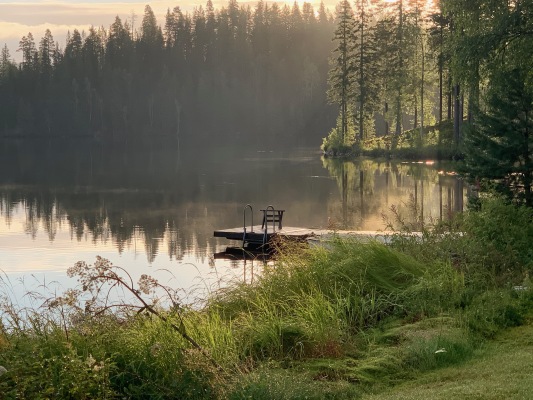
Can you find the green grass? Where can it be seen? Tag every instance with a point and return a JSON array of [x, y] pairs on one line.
[[501, 369]]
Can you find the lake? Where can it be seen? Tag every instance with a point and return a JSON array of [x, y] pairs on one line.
[[155, 212]]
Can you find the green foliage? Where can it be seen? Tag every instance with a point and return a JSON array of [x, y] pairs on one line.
[[498, 238], [337, 143], [381, 60], [276, 383], [310, 303], [500, 369], [498, 145], [153, 361], [494, 310], [65, 369], [435, 143], [340, 74], [443, 349]]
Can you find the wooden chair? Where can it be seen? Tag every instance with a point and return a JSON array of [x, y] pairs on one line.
[[273, 217]]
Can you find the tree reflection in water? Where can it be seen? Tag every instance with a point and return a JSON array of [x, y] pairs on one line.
[[152, 204], [417, 192]]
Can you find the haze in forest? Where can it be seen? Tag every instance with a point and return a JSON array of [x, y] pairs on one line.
[[17, 18]]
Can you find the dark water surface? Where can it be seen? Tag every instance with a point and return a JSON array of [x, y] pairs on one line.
[[152, 210]]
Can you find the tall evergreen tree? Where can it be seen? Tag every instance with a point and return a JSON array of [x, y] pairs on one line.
[[340, 74], [119, 46], [47, 54], [30, 58], [499, 144], [364, 69], [438, 34], [93, 53], [73, 55], [386, 49], [150, 43], [6, 64]]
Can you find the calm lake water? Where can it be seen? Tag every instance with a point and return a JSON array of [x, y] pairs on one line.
[[155, 212]]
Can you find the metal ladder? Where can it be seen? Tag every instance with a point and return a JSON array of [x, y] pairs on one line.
[[265, 233], [244, 222], [266, 220]]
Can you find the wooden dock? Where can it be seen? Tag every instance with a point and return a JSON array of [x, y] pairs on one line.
[[314, 236], [257, 233]]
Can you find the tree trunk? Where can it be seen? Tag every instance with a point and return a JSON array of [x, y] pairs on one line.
[[457, 115], [422, 95]]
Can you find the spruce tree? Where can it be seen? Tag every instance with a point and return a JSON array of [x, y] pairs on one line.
[[499, 144], [365, 69], [340, 74]]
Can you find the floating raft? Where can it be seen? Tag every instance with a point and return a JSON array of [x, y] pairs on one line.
[[257, 233], [314, 236]]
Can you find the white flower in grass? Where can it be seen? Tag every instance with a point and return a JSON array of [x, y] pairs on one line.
[[442, 350], [90, 360]]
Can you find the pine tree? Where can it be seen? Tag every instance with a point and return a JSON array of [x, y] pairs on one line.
[[322, 14], [93, 53], [365, 71], [7, 66], [340, 74], [386, 48], [119, 46], [150, 44], [421, 75], [29, 53], [499, 144], [400, 76], [438, 34], [46, 54], [73, 55]]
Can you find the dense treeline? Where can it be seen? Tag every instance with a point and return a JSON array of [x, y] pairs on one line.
[[384, 65], [230, 74]]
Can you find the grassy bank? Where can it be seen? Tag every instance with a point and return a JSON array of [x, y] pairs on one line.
[[434, 143], [345, 321]]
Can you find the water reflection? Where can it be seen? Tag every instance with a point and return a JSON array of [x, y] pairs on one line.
[[152, 209], [373, 193]]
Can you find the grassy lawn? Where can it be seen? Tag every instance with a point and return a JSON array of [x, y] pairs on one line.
[[502, 370]]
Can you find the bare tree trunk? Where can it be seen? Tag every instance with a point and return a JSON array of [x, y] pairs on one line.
[[457, 115], [422, 94]]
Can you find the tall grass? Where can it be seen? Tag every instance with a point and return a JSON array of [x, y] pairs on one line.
[[313, 300]]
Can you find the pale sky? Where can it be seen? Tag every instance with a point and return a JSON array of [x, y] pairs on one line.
[[19, 17]]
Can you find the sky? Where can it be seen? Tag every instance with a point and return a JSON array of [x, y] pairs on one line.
[[18, 17]]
